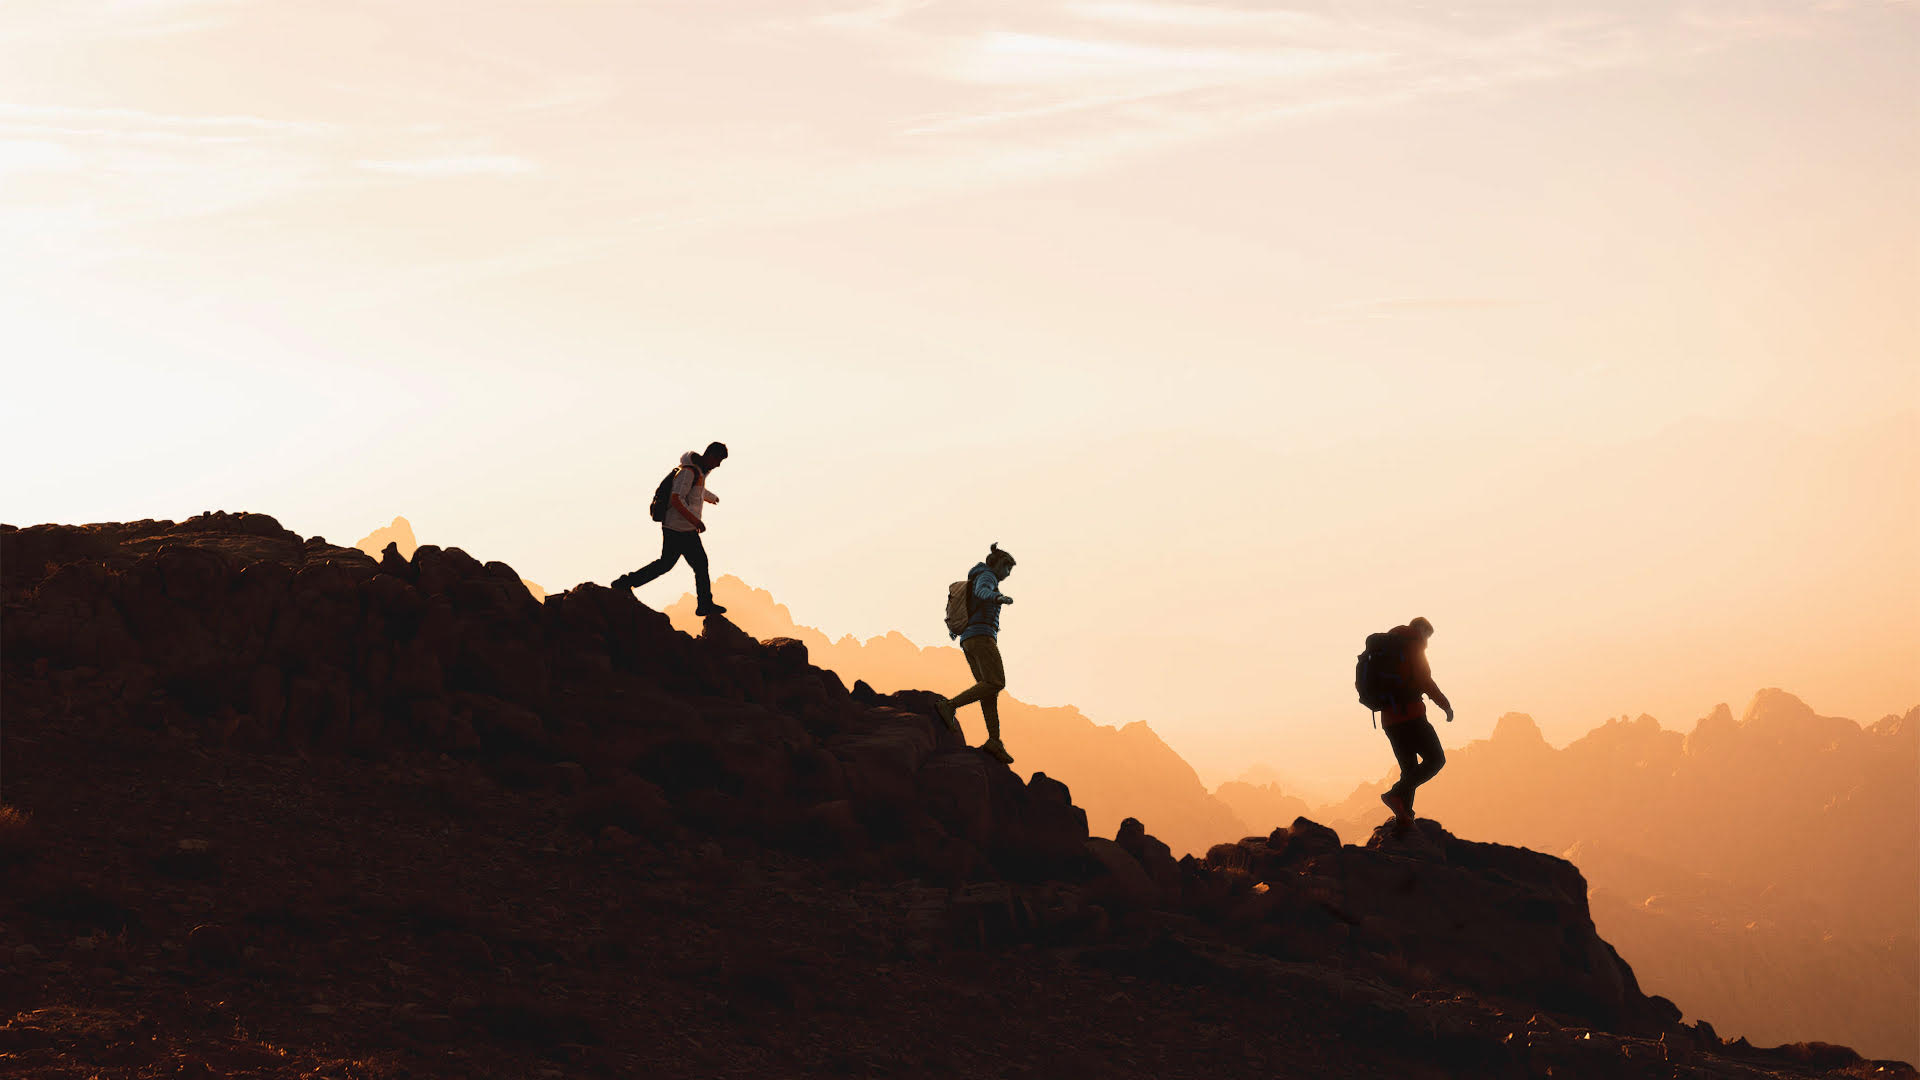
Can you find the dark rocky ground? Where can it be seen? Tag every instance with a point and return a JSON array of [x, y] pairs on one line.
[[278, 809]]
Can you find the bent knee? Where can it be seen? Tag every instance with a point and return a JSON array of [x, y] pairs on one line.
[[1437, 760]]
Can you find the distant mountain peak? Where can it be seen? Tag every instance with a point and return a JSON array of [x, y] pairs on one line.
[[1774, 706], [399, 533], [1517, 729], [1715, 728]]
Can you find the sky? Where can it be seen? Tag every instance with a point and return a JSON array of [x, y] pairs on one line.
[[1587, 331]]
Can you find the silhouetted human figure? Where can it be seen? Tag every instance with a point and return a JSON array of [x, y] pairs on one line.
[[1416, 745], [978, 629], [677, 504]]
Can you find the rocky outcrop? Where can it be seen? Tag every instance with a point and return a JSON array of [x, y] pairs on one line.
[[230, 630], [398, 535], [1115, 772], [1762, 869]]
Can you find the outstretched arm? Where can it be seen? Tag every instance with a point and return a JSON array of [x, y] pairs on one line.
[[1440, 699], [987, 587]]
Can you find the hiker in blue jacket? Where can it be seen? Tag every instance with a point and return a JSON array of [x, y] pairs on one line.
[[979, 639]]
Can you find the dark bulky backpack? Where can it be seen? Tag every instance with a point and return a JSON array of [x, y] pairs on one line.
[[663, 496], [1380, 673]]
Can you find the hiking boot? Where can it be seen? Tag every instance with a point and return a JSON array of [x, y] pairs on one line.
[[1396, 802], [709, 608], [624, 581], [993, 749], [947, 717]]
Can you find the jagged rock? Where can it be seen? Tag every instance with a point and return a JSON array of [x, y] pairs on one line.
[[392, 562], [1268, 858], [1049, 833]]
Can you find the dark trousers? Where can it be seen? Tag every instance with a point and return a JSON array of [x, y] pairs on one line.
[[675, 544], [1416, 746]]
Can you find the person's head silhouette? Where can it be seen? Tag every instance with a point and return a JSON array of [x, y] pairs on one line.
[[999, 561]]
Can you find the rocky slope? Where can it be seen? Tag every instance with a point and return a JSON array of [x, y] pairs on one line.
[[282, 809], [1763, 871], [1115, 773]]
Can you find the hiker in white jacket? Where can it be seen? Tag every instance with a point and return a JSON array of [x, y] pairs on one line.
[[686, 496]]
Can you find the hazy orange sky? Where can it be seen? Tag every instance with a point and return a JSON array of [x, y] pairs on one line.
[[1587, 331]]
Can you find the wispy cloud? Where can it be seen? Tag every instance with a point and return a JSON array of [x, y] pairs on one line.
[[1398, 306], [871, 16], [836, 108], [453, 165], [1190, 16], [141, 123], [32, 155], [61, 21], [128, 165]]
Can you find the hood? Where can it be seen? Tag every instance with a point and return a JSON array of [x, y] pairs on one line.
[[978, 569], [688, 459]]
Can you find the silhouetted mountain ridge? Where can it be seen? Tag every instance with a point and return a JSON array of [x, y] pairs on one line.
[[595, 758]]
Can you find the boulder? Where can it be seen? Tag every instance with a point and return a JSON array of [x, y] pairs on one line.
[[1303, 840], [1152, 855], [786, 655], [1121, 883]]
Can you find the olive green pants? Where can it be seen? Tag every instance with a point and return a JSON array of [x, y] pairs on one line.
[[989, 678]]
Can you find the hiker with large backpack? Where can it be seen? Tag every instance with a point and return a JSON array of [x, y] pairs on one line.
[[1393, 679], [973, 616], [677, 504]]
